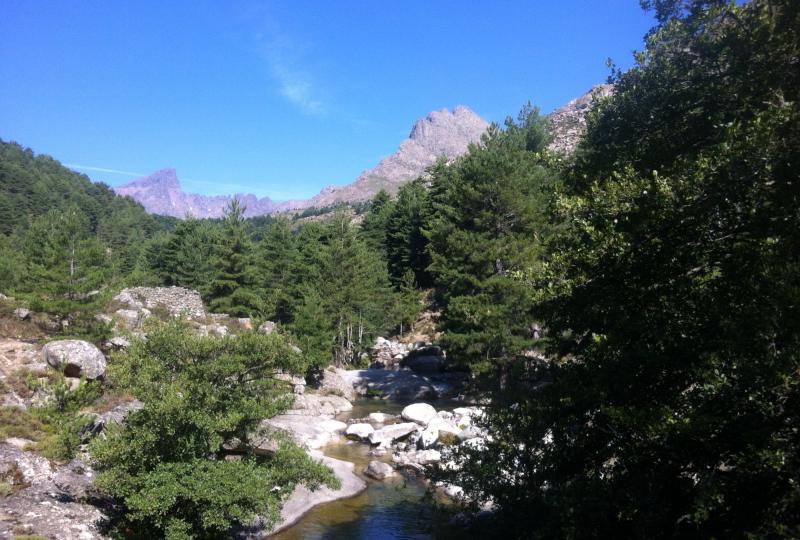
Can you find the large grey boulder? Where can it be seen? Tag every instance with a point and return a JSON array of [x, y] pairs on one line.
[[421, 413], [116, 415], [391, 433], [77, 358], [359, 431], [379, 470], [316, 405], [334, 383]]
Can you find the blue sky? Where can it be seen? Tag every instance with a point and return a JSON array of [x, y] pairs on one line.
[[283, 98]]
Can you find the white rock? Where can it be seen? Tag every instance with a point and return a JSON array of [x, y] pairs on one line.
[[22, 313], [421, 413], [429, 437], [379, 470], [426, 457], [359, 431], [379, 417], [391, 433]]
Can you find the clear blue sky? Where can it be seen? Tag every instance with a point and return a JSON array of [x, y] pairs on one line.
[[283, 98]]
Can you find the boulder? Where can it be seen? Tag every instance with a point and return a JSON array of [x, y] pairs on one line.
[[316, 405], [379, 470], [103, 318], [426, 457], [116, 415], [381, 418], [129, 318], [428, 437], [118, 342], [22, 313], [75, 481], [421, 413], [425, 364], [402, 385], [77, 358], [311, 431], [391, 433], [333, 383], [359, 431], [266, 328]]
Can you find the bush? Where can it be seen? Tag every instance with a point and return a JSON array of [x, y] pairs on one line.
[[166, 466]]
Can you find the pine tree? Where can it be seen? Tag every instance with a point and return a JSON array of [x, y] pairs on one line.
[[406, 244], [278, 269], [356, 289], [488, 216], [232, 287], [375, 223]]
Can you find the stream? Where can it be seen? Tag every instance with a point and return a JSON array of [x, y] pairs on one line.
[[395, 508]]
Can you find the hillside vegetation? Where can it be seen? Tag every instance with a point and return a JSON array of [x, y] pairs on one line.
[[629, 313]]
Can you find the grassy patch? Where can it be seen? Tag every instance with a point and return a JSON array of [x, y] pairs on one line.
[[16, 422]]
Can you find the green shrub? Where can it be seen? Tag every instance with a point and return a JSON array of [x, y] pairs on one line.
[[166, 467]]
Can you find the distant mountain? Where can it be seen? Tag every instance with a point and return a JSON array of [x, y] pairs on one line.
[[161, 193], [440, 134]]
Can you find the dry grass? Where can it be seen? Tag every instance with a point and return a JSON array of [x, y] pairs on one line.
[[16, 422]]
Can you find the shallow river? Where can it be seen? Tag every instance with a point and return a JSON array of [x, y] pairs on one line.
[[395, 508]]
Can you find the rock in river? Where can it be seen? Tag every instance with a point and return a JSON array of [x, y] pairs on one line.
[[391, 433], [421, 413], [379, 470]]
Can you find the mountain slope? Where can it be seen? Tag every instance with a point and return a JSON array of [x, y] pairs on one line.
[[441, 133]]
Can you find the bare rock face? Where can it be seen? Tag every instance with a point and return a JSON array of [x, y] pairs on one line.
[[568, 122], [46, 501], [440, 134], [77, 358]]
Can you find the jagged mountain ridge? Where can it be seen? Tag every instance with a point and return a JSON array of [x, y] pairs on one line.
[[441, 133]]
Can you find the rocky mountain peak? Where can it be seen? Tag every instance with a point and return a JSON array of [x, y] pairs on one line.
[[568, 122], [165, 178]]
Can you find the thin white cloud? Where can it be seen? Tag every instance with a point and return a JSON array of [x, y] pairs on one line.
[[102, 169], [295, 84]]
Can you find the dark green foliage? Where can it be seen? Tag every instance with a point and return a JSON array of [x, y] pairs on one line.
[[166, 465], [279, 258], [487, 221], [312, 328], [375, 224], [188, 255], [672, 300], [355, 289], [232, 289], [406, 244]]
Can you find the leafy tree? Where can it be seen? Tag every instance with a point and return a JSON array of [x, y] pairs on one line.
[[671, 405], [62, 259], [232, 287], [166, 465], [312, 328], [409, 305]]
